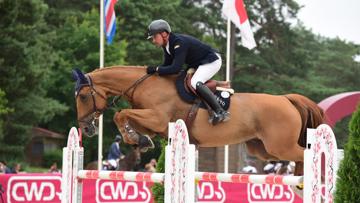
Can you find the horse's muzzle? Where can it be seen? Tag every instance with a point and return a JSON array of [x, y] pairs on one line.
[[89, 128], [89, 131]]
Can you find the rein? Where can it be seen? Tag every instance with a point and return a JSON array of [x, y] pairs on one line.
[[95, 114], [132, 87]]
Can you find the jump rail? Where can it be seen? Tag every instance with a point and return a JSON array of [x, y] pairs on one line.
[[206, 176], [180, 175]]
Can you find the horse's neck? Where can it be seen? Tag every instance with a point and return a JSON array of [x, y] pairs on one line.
[[115, 80]]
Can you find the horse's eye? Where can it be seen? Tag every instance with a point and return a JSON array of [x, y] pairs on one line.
[[83, 97]]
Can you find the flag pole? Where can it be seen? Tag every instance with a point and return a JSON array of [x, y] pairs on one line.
[[228, 37], [100, 138]]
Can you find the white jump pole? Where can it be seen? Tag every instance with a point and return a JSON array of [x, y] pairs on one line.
[[180, 175]]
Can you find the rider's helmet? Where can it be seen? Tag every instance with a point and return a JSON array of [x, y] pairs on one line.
[[118, 138], [158, 26]]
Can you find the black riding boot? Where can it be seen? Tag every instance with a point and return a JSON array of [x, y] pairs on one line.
[[219, 113]]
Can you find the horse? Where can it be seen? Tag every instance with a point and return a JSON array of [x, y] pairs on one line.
[[130, 162], [273, 127]]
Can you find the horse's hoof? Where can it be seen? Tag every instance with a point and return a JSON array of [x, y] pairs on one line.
[[297, 191], [300, 186], [145, 143]]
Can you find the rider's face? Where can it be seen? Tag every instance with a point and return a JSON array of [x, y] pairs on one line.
[[159, 39]]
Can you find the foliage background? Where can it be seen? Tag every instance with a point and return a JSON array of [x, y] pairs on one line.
[[41, 41], [347, 189]]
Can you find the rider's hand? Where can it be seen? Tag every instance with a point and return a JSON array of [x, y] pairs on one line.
[[151, 69]]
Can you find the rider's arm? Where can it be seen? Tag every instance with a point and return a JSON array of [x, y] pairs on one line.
[[180, 50]]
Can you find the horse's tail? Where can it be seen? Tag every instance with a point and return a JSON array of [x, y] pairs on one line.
[[311, 114]]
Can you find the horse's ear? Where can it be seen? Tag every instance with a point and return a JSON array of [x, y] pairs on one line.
[[80, 79], [75, 74], [79, 76]]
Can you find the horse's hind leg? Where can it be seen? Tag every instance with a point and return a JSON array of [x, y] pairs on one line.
[[288, 151], [255, 147]]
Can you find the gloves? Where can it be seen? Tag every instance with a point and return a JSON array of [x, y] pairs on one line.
[[151, 69]]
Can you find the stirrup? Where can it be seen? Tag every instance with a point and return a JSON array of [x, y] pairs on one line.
[[222, 116]]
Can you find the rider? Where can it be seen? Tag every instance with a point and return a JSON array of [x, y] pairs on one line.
[[180, 49], [115, 152]]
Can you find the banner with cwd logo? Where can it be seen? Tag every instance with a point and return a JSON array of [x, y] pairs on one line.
[[46, 188]]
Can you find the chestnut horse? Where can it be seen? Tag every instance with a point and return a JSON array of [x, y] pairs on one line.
[[273, 127]]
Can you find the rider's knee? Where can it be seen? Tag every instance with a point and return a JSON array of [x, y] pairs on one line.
[[194, 83]]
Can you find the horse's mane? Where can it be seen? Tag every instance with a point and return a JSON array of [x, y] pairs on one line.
[[118, 66]]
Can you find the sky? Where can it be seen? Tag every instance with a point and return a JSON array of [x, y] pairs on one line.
[[332, 18]]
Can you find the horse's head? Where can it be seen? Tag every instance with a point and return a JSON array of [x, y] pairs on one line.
[[90, 102]]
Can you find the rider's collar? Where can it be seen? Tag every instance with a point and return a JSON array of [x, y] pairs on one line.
[[167, 48]]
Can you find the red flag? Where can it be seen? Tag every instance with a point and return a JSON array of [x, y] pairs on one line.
[[235, 10]]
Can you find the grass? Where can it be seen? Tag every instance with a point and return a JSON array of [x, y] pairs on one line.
[[34, 169]]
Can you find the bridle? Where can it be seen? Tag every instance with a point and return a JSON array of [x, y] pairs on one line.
[[94, 115]]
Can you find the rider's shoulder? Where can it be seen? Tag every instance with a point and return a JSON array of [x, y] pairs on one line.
[[181, 39], [184, 37]]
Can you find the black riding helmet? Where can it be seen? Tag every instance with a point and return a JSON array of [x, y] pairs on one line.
[[118, 138], [158, 26]]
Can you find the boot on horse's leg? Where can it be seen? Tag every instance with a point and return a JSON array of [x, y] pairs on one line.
[[145, 143], [219, 113]]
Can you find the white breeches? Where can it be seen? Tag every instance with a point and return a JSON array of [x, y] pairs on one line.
[[206, 71], [113, 162]]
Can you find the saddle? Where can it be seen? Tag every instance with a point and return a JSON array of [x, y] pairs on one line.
[[187, 93], [213, 85]]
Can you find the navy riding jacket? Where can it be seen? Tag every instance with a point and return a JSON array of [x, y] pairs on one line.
[[115, 151], [185, 49]]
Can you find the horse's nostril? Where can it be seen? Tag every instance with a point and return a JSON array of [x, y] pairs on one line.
[[86, 130]]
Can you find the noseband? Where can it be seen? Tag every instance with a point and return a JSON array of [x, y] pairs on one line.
[[93, 115]]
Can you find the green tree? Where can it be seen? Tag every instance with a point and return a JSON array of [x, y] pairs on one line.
[[335, 66], [4, 110], [25, 67], [347, 189]]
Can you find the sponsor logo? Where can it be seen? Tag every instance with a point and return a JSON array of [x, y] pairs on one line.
[[109, 191], [34, 189], [266, 193], [210, 192], [225, 95], [220, 100]]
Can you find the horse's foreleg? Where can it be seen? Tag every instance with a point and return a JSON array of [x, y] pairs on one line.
[[135, 124]]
